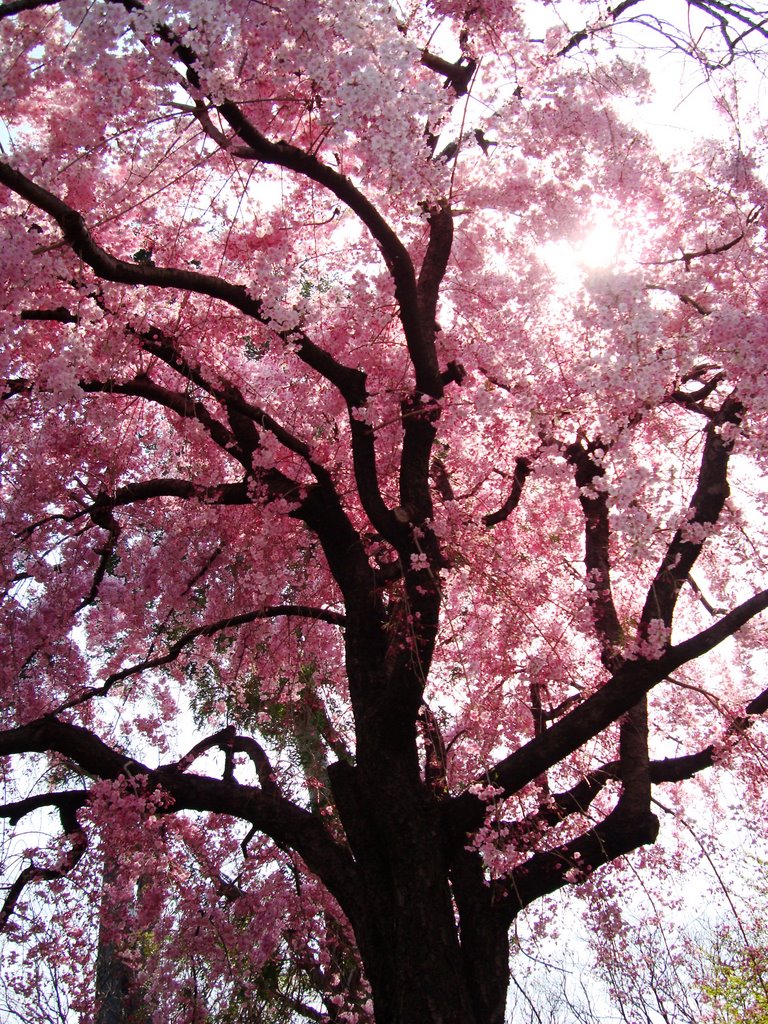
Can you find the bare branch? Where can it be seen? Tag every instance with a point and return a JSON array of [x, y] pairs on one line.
[[586, 33], [68, 801], [687, 257], [228, 740], [457, 74], [732, 22], [688, 300], [60, 315]]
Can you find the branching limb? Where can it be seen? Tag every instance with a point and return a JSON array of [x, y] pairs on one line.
[[144, 387], [289, 825], [418, 418], [67, 805], [523, 469], [704, 509], [242, 440], [593, 499], [396, 257], [627, 687], [629, 825], [578, 798], [694, 400], [543, 873], [457, 74], [240, 412], [228, 741]]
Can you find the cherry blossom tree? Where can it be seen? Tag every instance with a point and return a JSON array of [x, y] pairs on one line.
[[371, 567]]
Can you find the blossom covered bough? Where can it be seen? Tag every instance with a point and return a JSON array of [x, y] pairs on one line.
[[364, 574]]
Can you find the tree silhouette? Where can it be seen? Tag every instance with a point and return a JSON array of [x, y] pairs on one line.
[[366, 569]]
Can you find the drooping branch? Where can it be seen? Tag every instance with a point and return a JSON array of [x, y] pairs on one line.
[[110, 268], [209, 629]]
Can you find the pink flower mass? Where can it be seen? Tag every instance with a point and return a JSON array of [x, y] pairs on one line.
[[369, 570]]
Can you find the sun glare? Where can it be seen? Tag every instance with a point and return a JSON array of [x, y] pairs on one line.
[[598, 248]]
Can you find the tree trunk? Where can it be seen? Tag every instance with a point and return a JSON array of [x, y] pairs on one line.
[[409, 938], [119, 995]]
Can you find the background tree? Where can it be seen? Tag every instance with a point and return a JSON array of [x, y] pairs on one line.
[[650, 965], [367, 566]]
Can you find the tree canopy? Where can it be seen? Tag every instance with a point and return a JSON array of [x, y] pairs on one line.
[[383, 413]]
